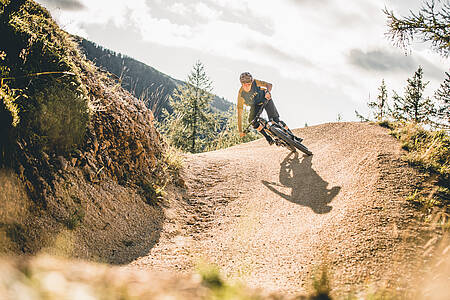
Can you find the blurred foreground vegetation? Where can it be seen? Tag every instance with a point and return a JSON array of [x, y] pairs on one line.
[[51, 278]]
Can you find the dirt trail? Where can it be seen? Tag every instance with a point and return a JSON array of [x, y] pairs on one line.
[[270, 218]]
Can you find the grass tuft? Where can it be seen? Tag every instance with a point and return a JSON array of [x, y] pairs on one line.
[[75, 219], [320, 284], [429, 151]]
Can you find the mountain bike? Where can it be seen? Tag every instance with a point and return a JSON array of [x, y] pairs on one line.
[[280, 135]]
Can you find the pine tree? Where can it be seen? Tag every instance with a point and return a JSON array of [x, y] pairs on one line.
[[442, 95], [191, 125], [413, 106], [380, 106], [431, 23]]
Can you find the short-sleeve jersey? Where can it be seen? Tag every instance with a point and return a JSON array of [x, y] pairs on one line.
[[256, 93]]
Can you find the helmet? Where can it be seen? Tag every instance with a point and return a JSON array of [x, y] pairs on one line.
[[246, 77]]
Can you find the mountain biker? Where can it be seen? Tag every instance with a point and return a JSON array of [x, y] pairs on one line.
[[253, 93]]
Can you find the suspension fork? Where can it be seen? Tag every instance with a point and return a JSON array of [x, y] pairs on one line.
[[268, 125]]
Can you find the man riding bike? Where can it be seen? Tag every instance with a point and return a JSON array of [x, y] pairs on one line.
[[253, 93]]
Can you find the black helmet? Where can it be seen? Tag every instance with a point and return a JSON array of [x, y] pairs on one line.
[[246, 77]]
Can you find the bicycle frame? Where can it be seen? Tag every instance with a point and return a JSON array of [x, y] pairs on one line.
[[257, 116], [267, 126]]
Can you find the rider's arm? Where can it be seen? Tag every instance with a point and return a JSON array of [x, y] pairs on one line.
[[261, 83], [240, 109]]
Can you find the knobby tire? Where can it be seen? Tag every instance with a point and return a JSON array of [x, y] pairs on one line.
[[292, 143]]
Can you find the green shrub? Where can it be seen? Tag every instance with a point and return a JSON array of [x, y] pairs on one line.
[[229, 136], [10, 107], [61, 116]]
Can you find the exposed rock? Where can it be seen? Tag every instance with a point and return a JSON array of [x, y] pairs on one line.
[[62, 163]]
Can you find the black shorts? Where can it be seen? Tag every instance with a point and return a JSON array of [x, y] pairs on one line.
[[270, 108]]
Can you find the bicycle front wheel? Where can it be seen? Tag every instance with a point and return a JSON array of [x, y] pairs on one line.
[[289, 140]]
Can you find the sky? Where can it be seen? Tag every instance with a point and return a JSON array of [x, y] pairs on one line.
[[325, 58]]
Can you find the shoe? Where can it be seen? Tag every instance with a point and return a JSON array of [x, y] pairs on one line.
[[298, 139], [270, 140]]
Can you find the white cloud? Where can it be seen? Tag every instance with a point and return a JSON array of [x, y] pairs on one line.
[[236, 5], [206, 12], [179, 8]]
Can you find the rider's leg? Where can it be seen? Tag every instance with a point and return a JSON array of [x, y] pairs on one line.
[[272, 113], [287, 128], [284, 125]]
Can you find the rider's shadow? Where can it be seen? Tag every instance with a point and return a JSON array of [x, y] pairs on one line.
[[307, 187]]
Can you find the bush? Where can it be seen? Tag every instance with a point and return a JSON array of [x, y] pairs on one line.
[[61, 116]]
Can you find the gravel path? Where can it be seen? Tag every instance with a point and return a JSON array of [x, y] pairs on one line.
[[271, 218]]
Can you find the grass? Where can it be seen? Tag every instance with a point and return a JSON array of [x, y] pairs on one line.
[[174, 158], [151, 191], [55, 276], [321, 287], [428, 151], [75, 219], [41, 90], [219, 288]]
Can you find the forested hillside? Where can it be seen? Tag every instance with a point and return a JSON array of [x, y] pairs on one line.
[[143, 81]]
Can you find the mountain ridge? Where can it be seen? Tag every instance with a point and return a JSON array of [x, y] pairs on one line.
[[140, 79]]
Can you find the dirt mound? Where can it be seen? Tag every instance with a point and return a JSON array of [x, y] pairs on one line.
[[271, 218], [95, 197]]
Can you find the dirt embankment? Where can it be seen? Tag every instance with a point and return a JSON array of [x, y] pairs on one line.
[[93, 194], [271, 218], [97, 203]]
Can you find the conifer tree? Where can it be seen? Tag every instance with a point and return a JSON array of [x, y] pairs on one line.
[[442, 95], [414, 106], [431, 23], [380, 106], [191, 125]]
